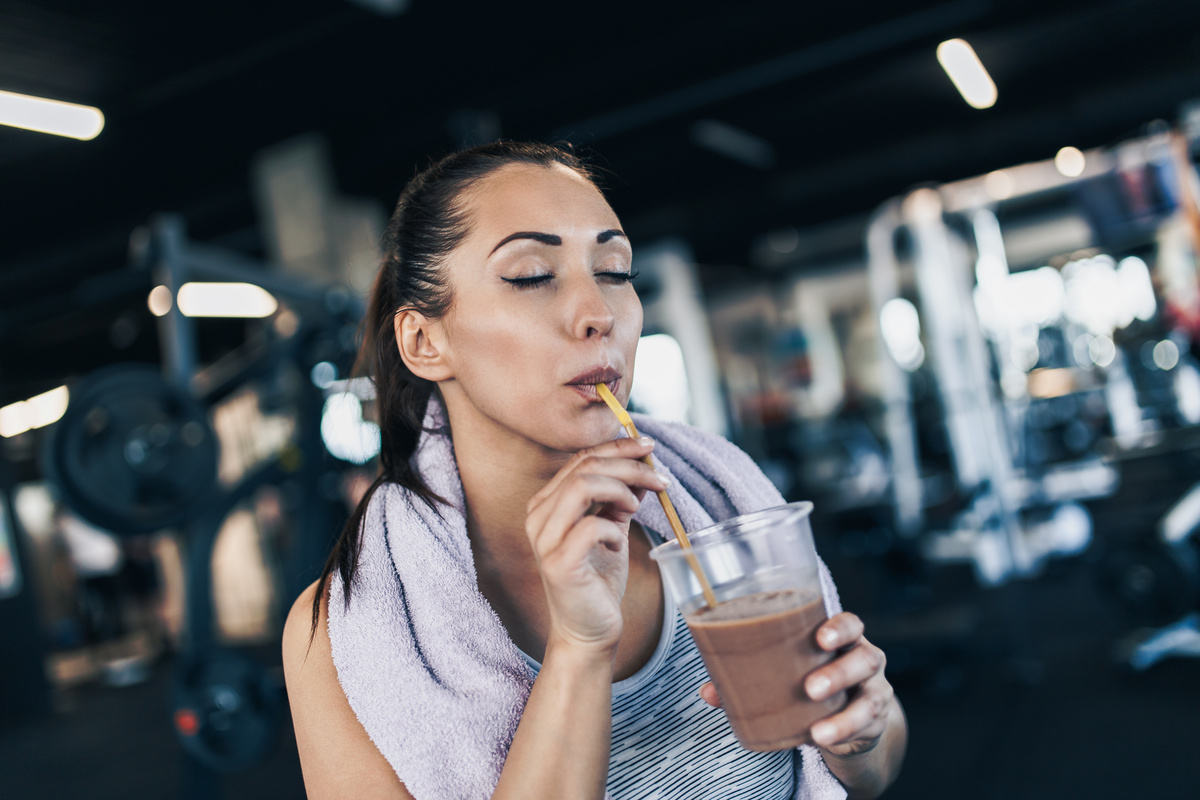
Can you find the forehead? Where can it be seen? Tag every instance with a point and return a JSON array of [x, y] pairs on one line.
[[530, 197]]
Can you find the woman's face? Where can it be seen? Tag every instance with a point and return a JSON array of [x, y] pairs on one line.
[[542, 309]]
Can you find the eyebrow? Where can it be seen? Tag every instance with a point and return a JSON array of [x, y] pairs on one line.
[[555, 241]]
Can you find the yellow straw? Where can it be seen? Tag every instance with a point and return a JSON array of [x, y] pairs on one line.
[[668, 507]]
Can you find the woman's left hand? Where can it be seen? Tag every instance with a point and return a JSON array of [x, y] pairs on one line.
[[857, 670]]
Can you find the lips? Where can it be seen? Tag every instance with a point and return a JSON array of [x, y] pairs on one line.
[[586, 383]]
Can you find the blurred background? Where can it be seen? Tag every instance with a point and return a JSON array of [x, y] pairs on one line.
[[934, 265]]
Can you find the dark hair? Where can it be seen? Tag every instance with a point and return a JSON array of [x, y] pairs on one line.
[[428, 223]]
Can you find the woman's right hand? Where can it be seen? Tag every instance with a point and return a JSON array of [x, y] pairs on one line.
[[578, 526]]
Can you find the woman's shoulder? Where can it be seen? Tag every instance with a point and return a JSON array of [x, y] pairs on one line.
[[307, 656], [300, 634]]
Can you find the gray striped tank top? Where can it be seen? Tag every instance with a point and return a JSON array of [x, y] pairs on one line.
[[668, 744]]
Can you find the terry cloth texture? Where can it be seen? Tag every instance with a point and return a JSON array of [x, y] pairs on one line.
[[424, 661]]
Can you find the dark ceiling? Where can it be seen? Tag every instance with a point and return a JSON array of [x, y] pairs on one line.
[[848, 96]]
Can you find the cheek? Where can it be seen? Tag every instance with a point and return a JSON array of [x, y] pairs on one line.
[[630, 319], [490, 344]]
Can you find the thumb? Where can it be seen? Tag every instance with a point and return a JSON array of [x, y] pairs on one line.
[[709, 693]]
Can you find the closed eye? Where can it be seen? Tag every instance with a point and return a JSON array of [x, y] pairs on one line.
[[618, 277], [531, 282]]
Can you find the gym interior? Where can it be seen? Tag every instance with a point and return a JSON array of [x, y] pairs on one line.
[[935, 266]]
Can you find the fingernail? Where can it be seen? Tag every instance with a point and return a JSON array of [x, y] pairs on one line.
[[823, 732], [663, 479], [829, 637], [646, 442], [818, 687]]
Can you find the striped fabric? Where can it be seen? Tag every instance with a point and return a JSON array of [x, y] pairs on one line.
[[668, 744]]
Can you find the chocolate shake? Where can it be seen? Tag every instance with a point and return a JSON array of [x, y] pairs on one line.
[[758, 649]]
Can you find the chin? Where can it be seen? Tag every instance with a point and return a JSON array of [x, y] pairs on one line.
[[595, 426]]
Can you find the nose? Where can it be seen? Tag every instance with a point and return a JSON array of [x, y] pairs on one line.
[[590, 313]]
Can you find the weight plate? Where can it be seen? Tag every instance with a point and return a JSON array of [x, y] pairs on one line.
[[1154, 582], [225, 710], [132, 454]]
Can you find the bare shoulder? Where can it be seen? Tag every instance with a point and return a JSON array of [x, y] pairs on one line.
[[297, 630], [337, 757]]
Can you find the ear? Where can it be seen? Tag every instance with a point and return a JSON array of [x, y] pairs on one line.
[[421, 345]]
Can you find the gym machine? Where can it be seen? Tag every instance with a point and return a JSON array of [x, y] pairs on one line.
[[136, 452], [1024, 298]]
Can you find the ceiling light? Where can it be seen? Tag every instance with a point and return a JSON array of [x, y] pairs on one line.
[[734, 143], [967, 72], [36, 412], [50, 116], [159, 301], [225, 300], [1070, 162]]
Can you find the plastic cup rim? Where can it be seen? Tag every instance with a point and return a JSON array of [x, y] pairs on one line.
[[706, 538]]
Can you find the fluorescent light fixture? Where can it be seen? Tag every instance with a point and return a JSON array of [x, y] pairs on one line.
[[385, 8], [36, 412], [735, 143], [967, 72], [50, 116], [215, 300], [1070, 162]]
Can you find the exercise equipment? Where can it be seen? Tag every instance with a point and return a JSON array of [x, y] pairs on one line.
[[1155, 582], [1156, 579], [225, 710], [133, 454]]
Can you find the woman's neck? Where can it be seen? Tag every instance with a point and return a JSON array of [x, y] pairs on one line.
[[500, 471]]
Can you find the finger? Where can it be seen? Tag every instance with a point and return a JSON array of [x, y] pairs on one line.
[[709, 693], [577, 544], [857, 665], [588, 461], [865, 717], [572, 504], [633, 474], [839, 630], [625, 448]]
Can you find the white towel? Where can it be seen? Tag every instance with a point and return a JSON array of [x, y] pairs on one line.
[[426, 664]]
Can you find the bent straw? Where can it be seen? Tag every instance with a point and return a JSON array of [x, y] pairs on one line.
[[668, 507]]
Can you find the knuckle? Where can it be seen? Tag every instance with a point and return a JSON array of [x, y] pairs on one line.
[[588, 526], [551, 563], [862, 716], [889, 694], [876, 701], [582, 481]]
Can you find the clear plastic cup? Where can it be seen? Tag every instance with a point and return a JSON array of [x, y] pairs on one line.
[[759, 642]]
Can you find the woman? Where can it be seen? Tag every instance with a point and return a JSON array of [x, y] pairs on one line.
[[503, 299]]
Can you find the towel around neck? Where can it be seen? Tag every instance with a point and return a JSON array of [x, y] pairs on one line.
[[425, 663]]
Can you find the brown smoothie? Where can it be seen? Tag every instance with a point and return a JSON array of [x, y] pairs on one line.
[[758, 650]]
